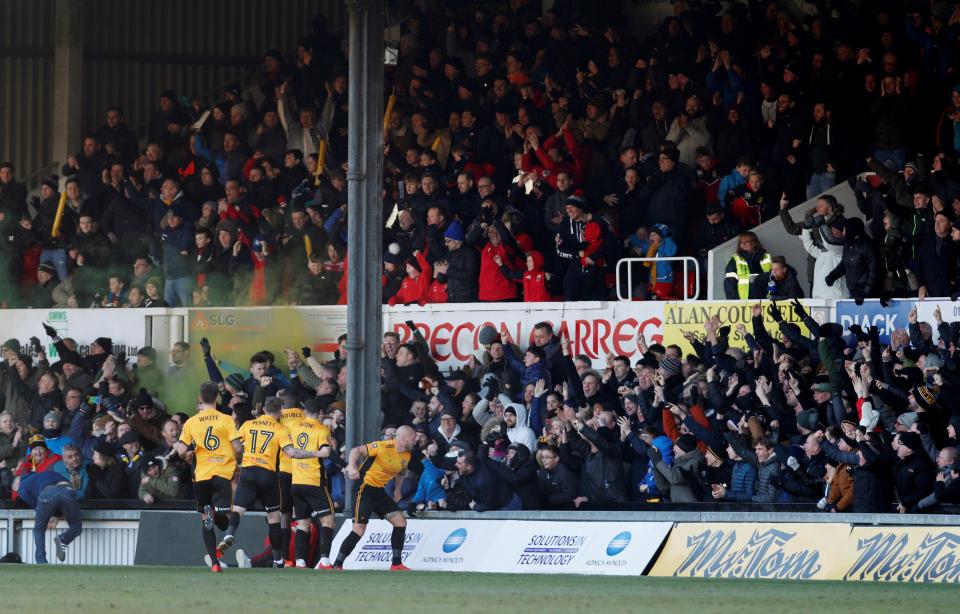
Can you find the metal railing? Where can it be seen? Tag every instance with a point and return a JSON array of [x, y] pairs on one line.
[[686, 260]]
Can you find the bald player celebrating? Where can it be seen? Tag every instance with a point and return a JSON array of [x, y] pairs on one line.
[[382, 461]]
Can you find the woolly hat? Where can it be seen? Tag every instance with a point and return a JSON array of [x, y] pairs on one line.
[[925, 397], [912, 166], [672, 153], [808, 419], [143, 399], [907, 419], [104, 449], [37, 440], [148, 352], [54, 416], [129, 437], [912, 441], [577, 201], [661, 229], [455, 232], [687, 442], [11, 344], [669, 366], [392, 255], [105, 343], [235, 380], [510, 409], [52, 182], [47, 268], [717, 451]]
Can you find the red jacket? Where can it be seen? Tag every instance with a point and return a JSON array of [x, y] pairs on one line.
[[342, 284], [494, 285], [437, 293], [535, 281], [415, 290], [593, 235]]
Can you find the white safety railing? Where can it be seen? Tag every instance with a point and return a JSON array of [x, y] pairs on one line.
[[686, 260]]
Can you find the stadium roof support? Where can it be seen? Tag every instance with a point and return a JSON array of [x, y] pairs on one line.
[[365, 212]]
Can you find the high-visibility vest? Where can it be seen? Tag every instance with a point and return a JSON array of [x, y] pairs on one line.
[[744, 276]]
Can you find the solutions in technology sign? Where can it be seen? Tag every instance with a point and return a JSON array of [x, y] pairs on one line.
[[755, 550], [494, 546]]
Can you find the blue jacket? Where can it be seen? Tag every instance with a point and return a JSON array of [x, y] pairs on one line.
[[727, 185], [33, 483], [486, 489], [665, 445], [429, 489], [56, 443], [528, 375], [61, 468], [743, 482], [175, 241], [667, 249]]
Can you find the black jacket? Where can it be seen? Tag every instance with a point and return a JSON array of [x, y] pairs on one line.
[[914, 477], [463, 274], [520, 474], [788, 287], [859, 261], [558, 488], [872, 490], [937, 265], [486, 489]]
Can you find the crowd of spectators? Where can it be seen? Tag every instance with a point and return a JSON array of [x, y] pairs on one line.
[[527, 152], [833, 418]]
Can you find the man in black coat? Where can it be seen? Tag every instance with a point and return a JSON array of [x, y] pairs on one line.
[[556, 483], [784, 278], [460, 268], [936, 266], [519, 472], [402, 385], [859, 261], [483, 487], [914, 474]]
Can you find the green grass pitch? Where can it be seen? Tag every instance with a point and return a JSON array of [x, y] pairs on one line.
[[176, 590]]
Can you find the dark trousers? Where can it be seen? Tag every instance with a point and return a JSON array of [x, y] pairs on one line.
[[56, 500]]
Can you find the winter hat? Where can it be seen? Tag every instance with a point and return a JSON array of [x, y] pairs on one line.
[[455, 232], [54, 416], [413, 262], [670, 366], [577, 201], [37, 440], [661, 229], [106, 343], [129, 437], [392, 256], [457, 375], [11, 344], [52, 182], [104, 449], [912, 166], [907, 419], [143, 399], [235, 380], [511, 409], [47, 268], [488, 335], [672, 153], [718, 452], [925, 397], [912, 441], [687, 442], [152, 462]]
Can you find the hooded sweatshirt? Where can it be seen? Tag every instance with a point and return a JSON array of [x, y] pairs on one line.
[[521, 433]]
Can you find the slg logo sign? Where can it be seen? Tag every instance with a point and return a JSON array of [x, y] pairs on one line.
[[619, 543], [454, 540]]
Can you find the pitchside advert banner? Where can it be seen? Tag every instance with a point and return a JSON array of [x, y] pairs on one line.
[[769, 551]]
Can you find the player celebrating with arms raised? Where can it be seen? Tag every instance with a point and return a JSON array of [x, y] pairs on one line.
[[383, 461], [216, 446]]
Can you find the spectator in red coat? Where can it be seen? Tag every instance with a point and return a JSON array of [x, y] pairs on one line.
[[494, 286], [416, 285]]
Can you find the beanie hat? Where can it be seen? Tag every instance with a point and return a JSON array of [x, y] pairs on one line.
[[106, 343], [488, 335], [670, 366], [661, 229], [686, 442], [808, 419], [37, 440], [143, 399], [47, 268], [52, 415], [912, 441], [235, 380], [104, 449], [717, 451], [577, 201], [393, 254], [672, 153], [52, 182], [11, 344], [510, 409], [413, 262], [925, 397], [912, 166], [455, 232], [129, 437], [908, 419]]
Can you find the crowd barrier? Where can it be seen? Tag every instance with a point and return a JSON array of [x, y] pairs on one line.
[[851, 547]]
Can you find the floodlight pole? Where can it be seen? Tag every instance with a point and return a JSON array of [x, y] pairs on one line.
[[365, 220]]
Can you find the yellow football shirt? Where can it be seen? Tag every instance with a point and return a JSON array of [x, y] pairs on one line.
[[383, 463], [308, 434], [263, 440], [212, 434], [289, 417]]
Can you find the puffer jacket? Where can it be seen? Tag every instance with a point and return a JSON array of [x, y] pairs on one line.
[[665, 445], [828, 255], [462, 273], [743, 482]]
